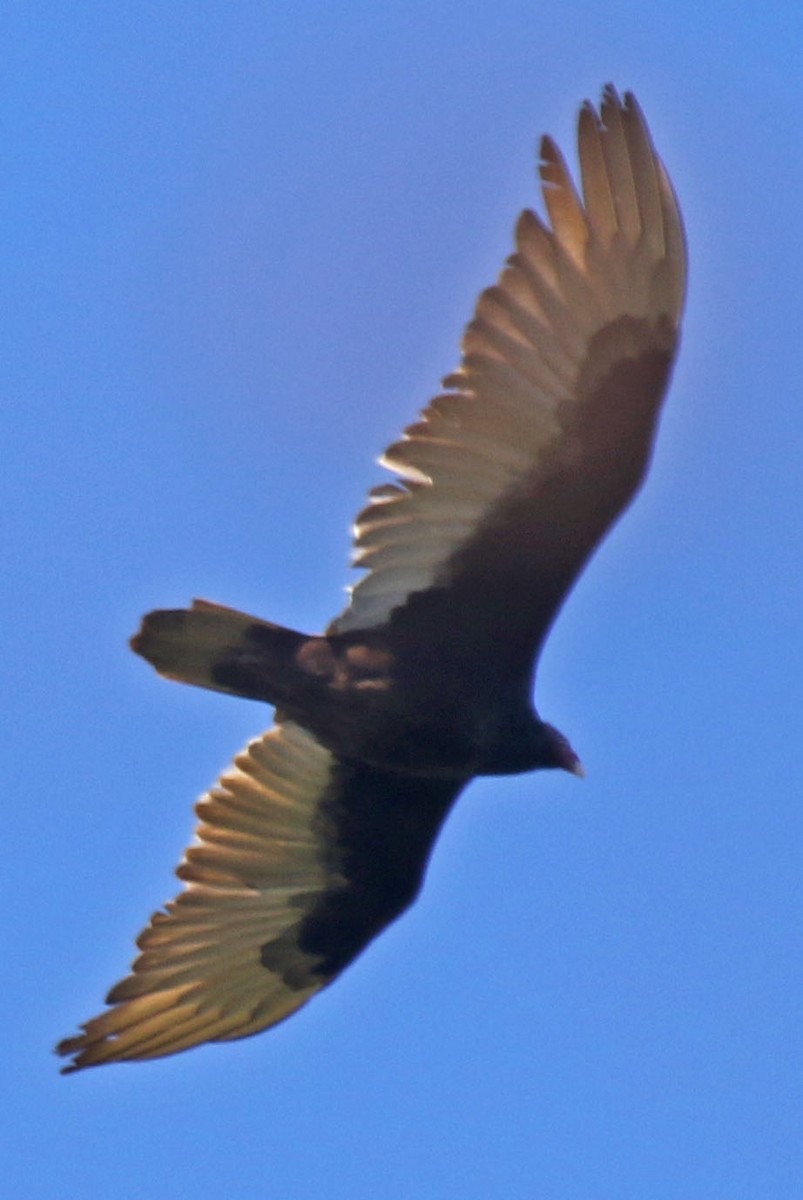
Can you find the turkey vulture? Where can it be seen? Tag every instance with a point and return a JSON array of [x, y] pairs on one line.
[[318, 836]]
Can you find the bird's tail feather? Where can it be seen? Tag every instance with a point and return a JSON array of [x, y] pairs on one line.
[[220, 648]]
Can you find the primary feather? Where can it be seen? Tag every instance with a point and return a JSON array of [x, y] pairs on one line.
[[319, 834]]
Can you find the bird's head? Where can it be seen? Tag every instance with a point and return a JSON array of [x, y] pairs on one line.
[[558, 752], [526, 743]]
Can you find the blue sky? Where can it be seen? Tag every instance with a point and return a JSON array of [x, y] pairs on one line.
[[240, 243]]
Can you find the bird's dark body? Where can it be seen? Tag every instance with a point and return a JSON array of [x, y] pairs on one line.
[[319, 834], [382, 697]]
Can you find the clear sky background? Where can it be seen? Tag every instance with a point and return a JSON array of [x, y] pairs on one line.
[[240, 243]]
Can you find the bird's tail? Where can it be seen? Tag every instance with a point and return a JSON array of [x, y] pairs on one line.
[[223, 649]]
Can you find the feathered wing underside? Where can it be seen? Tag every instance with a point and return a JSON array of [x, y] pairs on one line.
[[253, 868], [299, 860], [587, 308]]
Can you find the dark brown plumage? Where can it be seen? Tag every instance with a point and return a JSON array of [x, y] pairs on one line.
[[319, 834]]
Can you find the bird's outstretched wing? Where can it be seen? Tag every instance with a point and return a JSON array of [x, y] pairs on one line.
[[299, 861], [540, 438]]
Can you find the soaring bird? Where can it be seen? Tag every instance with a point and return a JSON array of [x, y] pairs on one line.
[[318, 835]]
